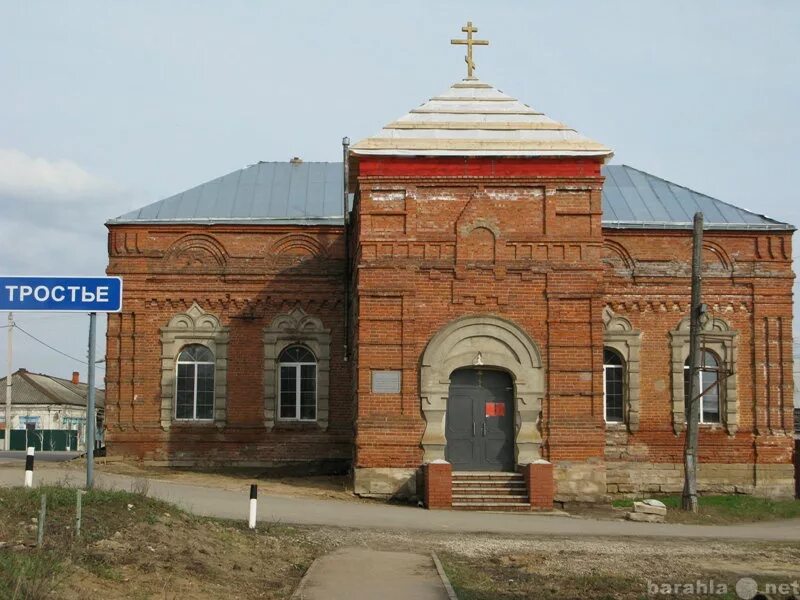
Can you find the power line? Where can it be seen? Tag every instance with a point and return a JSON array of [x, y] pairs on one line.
[[33, 337]]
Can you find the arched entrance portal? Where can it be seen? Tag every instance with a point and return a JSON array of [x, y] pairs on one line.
[[480, 421], [487, 343]]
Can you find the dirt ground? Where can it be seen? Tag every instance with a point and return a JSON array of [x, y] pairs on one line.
[[213, 560], [203, 561], [337, 487], [619, 569]]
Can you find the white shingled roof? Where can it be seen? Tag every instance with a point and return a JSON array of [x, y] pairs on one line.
[[476, 119]]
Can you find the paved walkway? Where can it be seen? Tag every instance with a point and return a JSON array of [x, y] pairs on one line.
[[215, 502], [363, 574]]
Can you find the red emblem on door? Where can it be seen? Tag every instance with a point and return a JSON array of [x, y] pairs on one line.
[[495, 409]]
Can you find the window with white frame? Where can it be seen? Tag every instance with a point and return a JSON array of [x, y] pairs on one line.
[[194, 383], [613, 386], [297, 384], [621, 371], [195, 326], [709, 387], [721, 402]]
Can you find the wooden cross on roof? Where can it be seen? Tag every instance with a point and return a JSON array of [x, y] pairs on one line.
[[469, 42]]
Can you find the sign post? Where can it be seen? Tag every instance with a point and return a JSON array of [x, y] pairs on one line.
[[66, 294], [91, 419], [7, 432]]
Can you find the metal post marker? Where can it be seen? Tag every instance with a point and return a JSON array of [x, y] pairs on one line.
[[29, 467], [253, 506], [90, 418]]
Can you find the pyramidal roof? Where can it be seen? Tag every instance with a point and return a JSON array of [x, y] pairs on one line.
[[474, 118]]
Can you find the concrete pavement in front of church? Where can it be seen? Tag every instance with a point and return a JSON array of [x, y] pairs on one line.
[[366, 574], [228, 504]]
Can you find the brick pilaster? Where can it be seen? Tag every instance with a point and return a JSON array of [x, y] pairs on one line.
[[539, 484], [438, 485]]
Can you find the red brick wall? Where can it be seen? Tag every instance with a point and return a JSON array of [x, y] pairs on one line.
[[245, 275], [748, 283], [437, 239], [433, 240]]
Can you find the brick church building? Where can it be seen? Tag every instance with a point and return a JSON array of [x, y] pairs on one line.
[[496, 299]]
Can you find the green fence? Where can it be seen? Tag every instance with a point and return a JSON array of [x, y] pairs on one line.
[[42, 439]]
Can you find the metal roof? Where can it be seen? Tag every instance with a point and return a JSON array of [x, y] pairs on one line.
[[473, 118], [276, 193], [633, 199], [38, 388], [309, 193]]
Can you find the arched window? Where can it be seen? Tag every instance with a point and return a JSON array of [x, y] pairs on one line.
[[709, 386], [613, 386], [194, 383], [298, 384]]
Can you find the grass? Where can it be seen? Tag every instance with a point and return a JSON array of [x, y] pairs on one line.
[[611, 573], [732, 508], [28, 572], [104, 511], [493, 579], [131, 543]]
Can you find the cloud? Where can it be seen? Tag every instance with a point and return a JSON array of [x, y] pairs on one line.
[[53, 215], [47, 181]]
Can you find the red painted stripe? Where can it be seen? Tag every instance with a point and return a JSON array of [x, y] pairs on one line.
[[441, 166]]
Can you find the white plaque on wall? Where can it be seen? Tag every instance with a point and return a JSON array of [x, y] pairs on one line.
[[386, 382]]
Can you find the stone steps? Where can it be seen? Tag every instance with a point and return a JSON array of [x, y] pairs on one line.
[[497, 491], [479, 490], [517, 506], [463, 475], [498, 498]]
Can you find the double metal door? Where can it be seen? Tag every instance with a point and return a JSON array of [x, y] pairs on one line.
[[480, 423]]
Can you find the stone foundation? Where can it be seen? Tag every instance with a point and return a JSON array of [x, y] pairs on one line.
[[580, 481], [633, 479], [385, 482]]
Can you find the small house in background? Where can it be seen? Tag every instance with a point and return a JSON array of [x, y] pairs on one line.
[[47, 412]]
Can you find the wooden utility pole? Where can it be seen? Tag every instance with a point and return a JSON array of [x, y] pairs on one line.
[[692, 409]]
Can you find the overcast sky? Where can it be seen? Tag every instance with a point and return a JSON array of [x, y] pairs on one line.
[[106, 106]]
